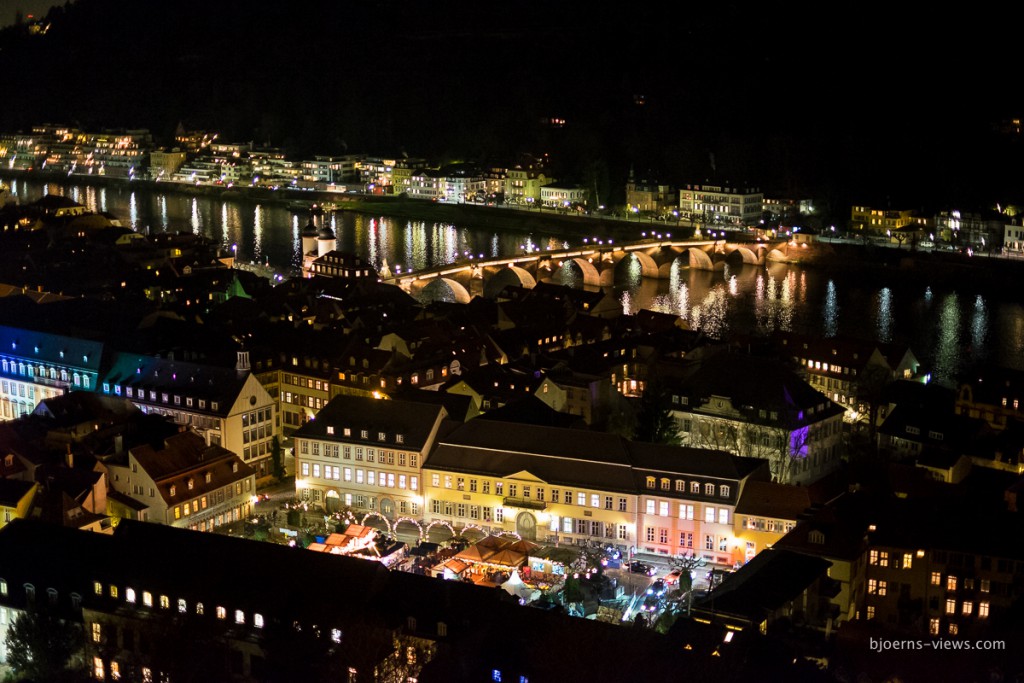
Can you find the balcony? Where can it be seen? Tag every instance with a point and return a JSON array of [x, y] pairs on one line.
[[525, 503]]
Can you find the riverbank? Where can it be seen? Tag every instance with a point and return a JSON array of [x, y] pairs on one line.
[[880, 265], [500, 219]]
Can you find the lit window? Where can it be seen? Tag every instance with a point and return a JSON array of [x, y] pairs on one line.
[[97, 588], [239, 616], [496, 675], [950, 606], [147, 598], [933, 626], [97, 669], [199, 608], [222, 613], [97, 633], [336, 635], [165, 602], [115, 671], [982, 610], [182, 605], [951, 583], [936, 578], [129, 594], [257, 620]]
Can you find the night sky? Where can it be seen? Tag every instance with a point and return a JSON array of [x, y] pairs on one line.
[[856, 103]]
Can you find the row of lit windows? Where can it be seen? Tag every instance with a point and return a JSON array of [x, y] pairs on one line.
[[332, 450], [661, 535], [359, 476], [140, 394], [663, 508], [78, 379], [984, 585], [665, 484], [528, 491], [181, 605], [881, 558]]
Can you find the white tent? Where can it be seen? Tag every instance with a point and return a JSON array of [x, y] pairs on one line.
[[515, 586]]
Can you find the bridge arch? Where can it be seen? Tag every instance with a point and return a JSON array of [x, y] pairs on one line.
[[589, 270], [700, 259], [648, 266], [446, 289], [776, 255], [742, 255], [512, 275]]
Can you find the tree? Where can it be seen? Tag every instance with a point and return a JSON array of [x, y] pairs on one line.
[[277, 459], [783, 446], [43, 647], [654, 421]]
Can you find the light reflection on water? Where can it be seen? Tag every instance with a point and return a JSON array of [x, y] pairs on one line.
[[946, 330]]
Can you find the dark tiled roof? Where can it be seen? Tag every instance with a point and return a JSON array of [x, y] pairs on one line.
[[13, 490], [410, 419], [771, 499], [213, 384], [766, 583]]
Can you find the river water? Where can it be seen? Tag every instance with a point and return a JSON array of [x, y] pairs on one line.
[[948, 329]]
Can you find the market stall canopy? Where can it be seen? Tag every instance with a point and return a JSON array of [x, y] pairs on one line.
[[475, 553]]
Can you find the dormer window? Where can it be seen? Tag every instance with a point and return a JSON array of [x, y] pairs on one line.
[[209, 477], [347, 432], [174, 490], [234, 467], [364, 434], [330, 431], [381, 436], [399, 438], [191, 483]]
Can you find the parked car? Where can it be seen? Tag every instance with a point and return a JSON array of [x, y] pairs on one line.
[[672, 578], [641, 568]]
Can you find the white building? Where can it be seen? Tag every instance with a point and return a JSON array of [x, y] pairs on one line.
[[562, 195], [724, 204]]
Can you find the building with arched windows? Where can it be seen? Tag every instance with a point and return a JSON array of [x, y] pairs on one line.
[[37, 365]]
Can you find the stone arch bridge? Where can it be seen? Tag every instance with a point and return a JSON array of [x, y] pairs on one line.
[[597, 265]]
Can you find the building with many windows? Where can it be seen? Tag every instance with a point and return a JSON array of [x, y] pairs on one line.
[[949, 581], [38, 365], [186, 483], [570, 486], [366, 454], [227, 406], [721, 204], [756, 407], [523, 185]]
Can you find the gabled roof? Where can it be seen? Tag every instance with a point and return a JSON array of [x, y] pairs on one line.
[[184, 463]]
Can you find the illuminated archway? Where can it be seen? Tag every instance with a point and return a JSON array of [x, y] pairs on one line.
[[699, 259], [590, 274], [446, 289], [511, 276], [744, 255], [409, 520], [441, 523], [377, 515]]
